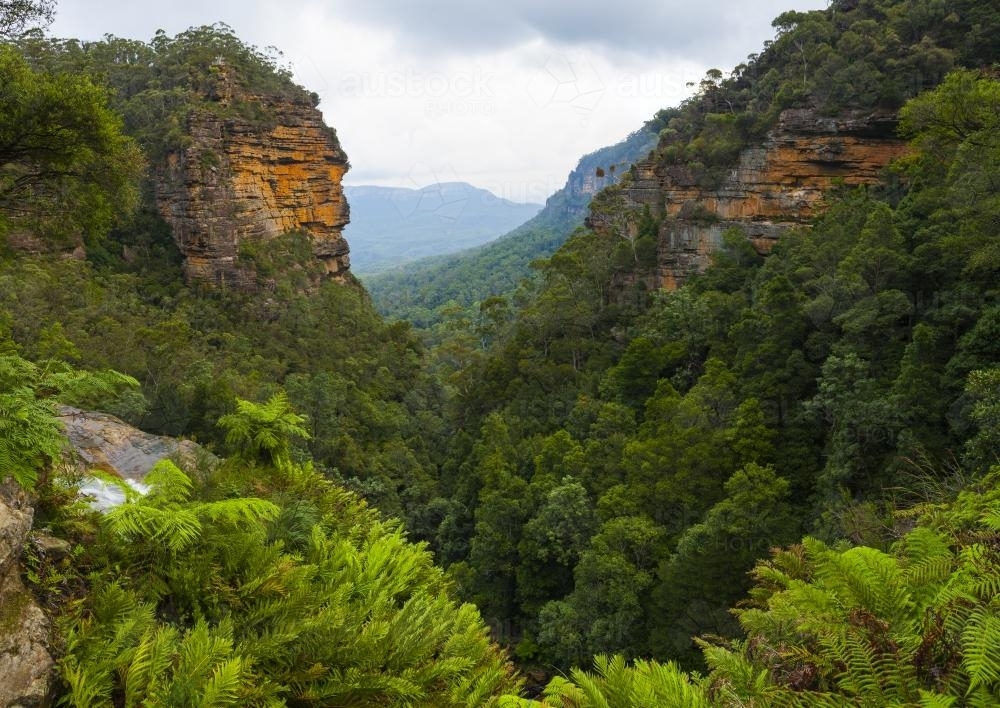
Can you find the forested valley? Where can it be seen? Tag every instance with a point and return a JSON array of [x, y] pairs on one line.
[[777, 484]]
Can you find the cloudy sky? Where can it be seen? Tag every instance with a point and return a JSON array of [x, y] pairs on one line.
[[505, 95]]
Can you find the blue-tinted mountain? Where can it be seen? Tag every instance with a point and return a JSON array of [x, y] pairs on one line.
[[416, 290], [391, 226]]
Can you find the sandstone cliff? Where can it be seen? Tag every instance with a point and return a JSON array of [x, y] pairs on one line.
[[776, 185], [242, 178]]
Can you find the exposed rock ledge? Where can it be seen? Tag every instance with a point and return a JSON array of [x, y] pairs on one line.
[[27, 670], [776, 185], [110, 444], [26, 667], [238, 181], [107, 443]]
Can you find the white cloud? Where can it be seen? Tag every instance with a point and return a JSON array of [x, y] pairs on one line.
[[505, 96]]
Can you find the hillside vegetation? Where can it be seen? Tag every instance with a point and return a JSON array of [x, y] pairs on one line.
[[430, 292], [776, 485]]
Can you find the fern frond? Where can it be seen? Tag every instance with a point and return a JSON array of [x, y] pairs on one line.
[[991, 519], [169, 484], [223, 688], [589, 688], [88, 686], [981, 648], [936, 700], [176, 529], [238, 512], [150, 661], [860, 677]]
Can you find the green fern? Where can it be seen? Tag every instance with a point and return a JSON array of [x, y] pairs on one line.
[[264, 431], [981, 649], [148, 664], [31, 435], [356, 615], [615, 684], [223, 688]]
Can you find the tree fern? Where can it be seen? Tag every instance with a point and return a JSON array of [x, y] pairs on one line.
[[264, 431], [615, 684], [876, 628], [356, 616]]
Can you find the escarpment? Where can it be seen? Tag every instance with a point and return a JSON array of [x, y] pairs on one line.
[[252, 175], [777, 184]]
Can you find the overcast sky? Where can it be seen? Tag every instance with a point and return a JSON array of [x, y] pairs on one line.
[[505, 95]]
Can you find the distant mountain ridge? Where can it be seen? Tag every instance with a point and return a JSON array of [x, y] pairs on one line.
[[391, 226], [415, 291]]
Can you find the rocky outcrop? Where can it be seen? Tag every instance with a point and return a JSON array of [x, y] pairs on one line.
[[108, 443], [26, 667], [775, 186], [595, 172], [27, 670], [252, 174]]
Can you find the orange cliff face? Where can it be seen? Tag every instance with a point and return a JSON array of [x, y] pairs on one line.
[[238, 181], [776, 185]]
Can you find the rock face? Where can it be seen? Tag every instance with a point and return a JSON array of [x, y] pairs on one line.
[[26, 667], [108, 443], [775, 186], [243, 178], [27, 671]]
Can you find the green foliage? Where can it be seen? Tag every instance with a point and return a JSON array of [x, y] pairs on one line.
[[18, 16], [30, 433], [157, 85], [706, 571], [983, 451], [767, 397], [892, 628], [120, 649], [597, 465], [68, 169], [843, 626], [198, 600], [368, 405], [614, 684], [263, 432]]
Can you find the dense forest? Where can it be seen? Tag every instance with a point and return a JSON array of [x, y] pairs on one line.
[[775, 485]]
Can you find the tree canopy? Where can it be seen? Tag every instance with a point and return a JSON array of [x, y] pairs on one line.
[[69, 173]]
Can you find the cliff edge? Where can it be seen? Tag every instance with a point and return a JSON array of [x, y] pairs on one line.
[[251, 168], [776, 184]]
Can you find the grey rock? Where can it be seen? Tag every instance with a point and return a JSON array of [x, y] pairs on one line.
[[108, 443], [26, 667]]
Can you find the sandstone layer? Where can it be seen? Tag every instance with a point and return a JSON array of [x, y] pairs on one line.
[[242, 179], [776, 185]]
